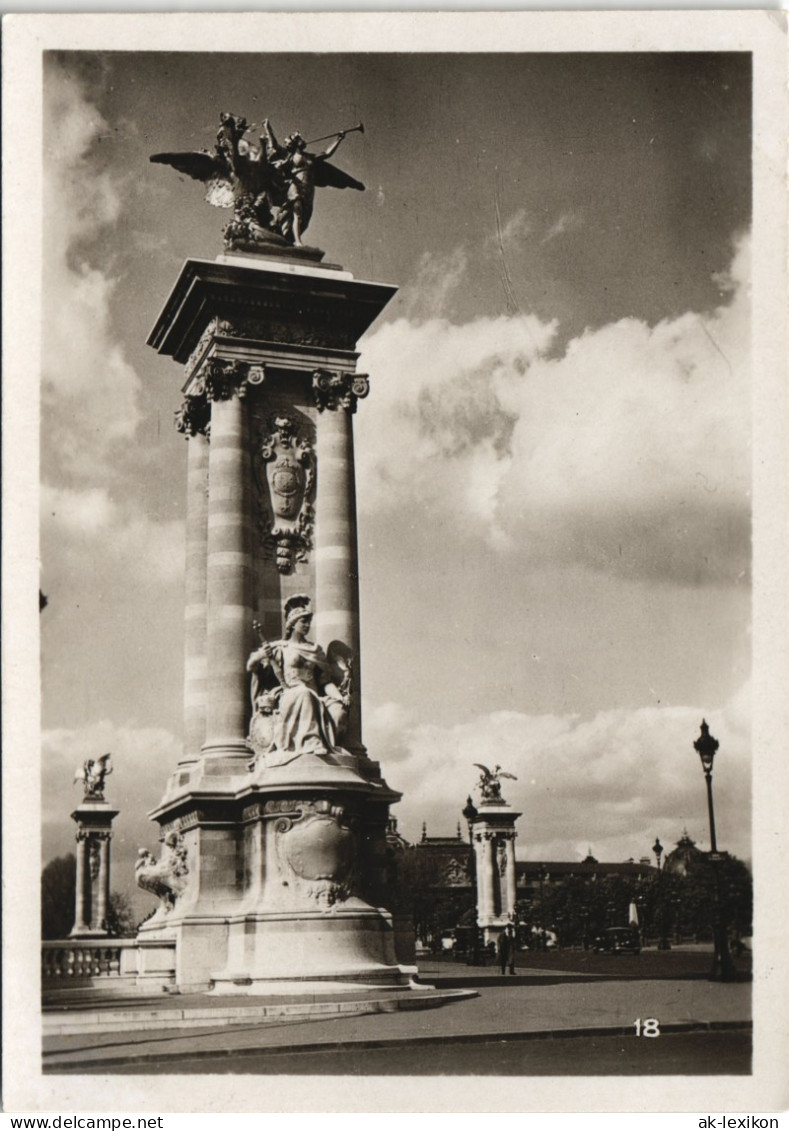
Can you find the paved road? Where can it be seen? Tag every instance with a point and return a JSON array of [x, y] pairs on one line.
[[697, 1054], [685, 961], [499, 1011]]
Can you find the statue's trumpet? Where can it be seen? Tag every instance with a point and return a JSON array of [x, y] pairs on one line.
[[352, 129]]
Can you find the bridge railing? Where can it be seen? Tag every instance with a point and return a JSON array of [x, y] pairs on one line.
[[94, 962]]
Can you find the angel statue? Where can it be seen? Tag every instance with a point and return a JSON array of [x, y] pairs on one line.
[[490, 781], [300, 695], [270, 187], [92, 774]]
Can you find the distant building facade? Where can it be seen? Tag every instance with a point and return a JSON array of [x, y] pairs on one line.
[[573, 898]]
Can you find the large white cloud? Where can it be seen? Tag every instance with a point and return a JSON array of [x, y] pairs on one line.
[[89, 389], [85, 530], [630, 452], [93, 537], [613, 781]]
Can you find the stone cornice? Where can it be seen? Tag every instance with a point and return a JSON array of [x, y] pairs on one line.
[[336, 310]]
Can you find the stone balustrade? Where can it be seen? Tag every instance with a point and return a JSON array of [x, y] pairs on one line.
[[107, 961]]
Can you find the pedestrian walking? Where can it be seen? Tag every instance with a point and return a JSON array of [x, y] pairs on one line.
[[506, 949]]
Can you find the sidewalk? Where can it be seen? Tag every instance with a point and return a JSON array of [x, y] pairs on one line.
[[514, 1011]]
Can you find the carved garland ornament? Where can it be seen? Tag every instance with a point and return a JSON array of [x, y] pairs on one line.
[[332, 335], [215, 326], [283, 464], [95, 858]]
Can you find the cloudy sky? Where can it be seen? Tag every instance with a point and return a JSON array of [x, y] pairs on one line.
[[553, 462]]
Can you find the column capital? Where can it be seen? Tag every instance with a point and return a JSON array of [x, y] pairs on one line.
[[337, 390], [221, 379], [193, 417], [217, 380]]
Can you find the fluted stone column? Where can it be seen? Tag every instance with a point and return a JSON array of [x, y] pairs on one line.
[[195, 658], [228, 573], [492, 828], [103, 881], [336, 549], [512, 893], [91, 902], [485, 866], [80, 926], [482, 878]]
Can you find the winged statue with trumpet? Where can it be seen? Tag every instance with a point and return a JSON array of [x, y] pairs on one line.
[[270, 186], [92, 774], [490, 781]]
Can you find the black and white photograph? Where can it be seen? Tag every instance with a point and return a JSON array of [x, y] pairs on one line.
[[395, 595]]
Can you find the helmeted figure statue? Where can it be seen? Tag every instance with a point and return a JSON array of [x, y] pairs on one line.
[[305, 710], [270, 187]]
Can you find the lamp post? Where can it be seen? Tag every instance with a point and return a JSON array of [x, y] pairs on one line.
[[722, 966], [641, 905], [470, 813], [663, 943], [542, 875]]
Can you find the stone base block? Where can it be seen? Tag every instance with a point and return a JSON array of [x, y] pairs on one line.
[[351, 944]]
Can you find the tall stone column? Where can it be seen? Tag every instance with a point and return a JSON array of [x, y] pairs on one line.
[[80, 926], [278, 869], [94, 819], [490, 880], [336, 547], [228, 569], [195, 658], [103, 880], [493, 828], [511, 889]]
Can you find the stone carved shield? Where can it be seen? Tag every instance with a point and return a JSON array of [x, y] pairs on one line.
[[284, 466], [286, 480], [317, 853]]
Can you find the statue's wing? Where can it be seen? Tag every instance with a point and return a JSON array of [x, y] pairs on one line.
[[200, 166], [511, 776], [484, 769], [210, 168], [340, 654], [329, 176]]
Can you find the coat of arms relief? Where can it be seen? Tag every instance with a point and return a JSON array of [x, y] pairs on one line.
[[283, 463]]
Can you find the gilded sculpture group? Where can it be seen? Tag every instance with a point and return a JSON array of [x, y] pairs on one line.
[[270, 186]]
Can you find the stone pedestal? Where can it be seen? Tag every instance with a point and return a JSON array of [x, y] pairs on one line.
[[273, 868], [493, 834], [94, 819]]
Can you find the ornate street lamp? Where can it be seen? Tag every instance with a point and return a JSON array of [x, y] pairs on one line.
[[470, 813], [722, 966], [663, 943]]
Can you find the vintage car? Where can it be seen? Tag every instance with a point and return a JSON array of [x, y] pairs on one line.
[[618, 940]]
